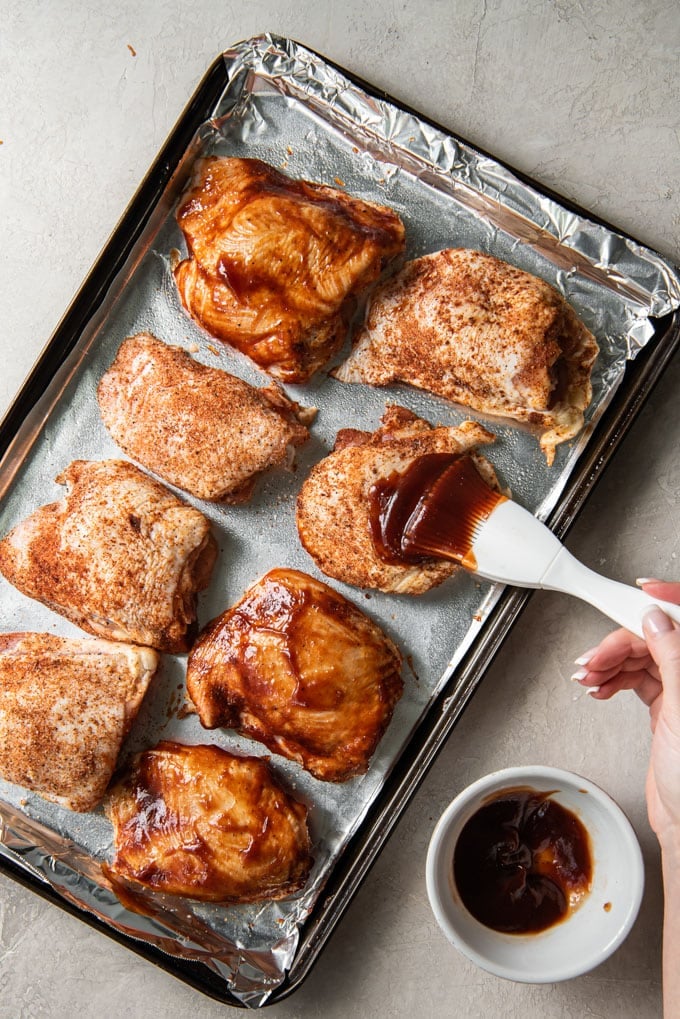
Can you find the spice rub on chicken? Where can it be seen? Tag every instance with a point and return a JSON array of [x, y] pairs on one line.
[[198, 427], [274, 263], [298, 667], [119, 555], [335, 502], [66, 705], [200, 822], [473, 329]]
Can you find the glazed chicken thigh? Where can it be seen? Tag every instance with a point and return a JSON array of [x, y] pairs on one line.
[[274, 263], [200, 822], [298, 667]]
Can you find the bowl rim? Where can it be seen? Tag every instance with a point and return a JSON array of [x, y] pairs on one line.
[[508, 778]]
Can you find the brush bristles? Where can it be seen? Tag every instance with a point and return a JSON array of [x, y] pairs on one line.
[[447, 518]]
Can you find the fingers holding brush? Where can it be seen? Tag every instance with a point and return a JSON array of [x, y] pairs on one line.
[[620, 662], [623, 661]]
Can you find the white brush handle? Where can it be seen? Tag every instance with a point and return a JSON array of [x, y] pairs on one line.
[[513, 547], [624, 604]]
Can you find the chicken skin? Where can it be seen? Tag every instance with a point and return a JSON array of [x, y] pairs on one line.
[[274, 263], [120, 556], [334, 507], [296, 666], [473, 329], [66, 705], [199, 428], [203, 823]]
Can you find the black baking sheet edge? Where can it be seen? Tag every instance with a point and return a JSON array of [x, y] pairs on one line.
[[360, 854]]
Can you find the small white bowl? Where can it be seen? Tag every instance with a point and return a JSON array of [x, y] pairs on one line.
[[592, 931]]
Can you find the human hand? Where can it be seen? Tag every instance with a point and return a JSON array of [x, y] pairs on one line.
[[650, 667]]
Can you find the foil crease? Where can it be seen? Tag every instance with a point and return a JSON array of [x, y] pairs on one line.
[[290, 107]]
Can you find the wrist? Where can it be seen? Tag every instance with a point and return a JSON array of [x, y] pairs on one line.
[[669, 840]]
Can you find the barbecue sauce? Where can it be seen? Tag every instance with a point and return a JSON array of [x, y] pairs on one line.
[[430, 510], [394, 499], [522, 862]]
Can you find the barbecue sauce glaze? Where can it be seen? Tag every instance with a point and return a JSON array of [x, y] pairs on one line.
[[522, 862], [430, 510]]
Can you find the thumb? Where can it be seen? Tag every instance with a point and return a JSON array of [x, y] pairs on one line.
[[663, 641]]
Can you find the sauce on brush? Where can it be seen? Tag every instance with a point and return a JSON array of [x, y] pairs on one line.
[[431, 510]]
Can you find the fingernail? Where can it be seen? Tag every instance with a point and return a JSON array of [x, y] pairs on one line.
[[655, 621], [646, 580], [586, 656], [593, 689], [581, 674]]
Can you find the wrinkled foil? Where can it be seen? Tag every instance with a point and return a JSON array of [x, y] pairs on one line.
[[289, 107]]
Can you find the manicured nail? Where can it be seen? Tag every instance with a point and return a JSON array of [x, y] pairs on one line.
[[581, 674], [586, 656], [593, 689], [655, 621], [646, 580]]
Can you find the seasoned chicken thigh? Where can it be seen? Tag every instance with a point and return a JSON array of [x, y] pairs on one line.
[[66, 705], [120, 556], [273, 262], [197, 427], [200, 822], [335, 501], [298, 667], [473, 329]]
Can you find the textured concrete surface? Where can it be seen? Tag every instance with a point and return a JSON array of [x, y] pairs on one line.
[[585, 97]]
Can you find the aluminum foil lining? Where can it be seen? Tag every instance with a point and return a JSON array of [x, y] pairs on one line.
[[289, 107]]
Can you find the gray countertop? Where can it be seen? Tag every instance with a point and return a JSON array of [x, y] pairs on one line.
[[585, 98]]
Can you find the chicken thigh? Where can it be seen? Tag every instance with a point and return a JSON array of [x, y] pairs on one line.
[[201, 822], [298, 667], [66, 704], [473, 329], [335, 502], [199, 428], [274, 262], [120, 556]]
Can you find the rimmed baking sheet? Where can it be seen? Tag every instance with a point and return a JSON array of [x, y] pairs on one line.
[[274, 99]]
